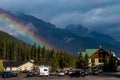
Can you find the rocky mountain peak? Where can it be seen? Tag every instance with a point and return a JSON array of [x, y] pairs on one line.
[[78, 29]]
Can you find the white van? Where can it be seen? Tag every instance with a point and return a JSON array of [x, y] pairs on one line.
[[44, 70]]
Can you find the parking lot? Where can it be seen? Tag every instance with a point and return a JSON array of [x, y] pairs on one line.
[[89, 77]]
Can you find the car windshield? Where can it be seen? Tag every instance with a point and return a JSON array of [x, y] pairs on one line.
[[4, 72], [62, 71], [81, 70], [71, 70], [11, 72], [29, 72]]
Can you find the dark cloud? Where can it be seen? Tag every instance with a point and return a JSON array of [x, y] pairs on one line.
[[100, 15]]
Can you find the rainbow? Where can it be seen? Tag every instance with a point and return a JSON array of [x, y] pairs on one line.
[[24, 29]]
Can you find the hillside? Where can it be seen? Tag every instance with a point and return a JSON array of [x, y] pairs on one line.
[[60, 39], [6, 37], [12, 48], [16, 50], [64, 39]]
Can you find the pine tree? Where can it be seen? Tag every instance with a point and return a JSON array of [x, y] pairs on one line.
[[93, 63], [43, 52], [61, 60], [86, 61], [80, 61], [110, 63], [106, 64], [2, 50]]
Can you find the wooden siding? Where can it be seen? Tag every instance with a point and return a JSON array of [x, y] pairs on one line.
[[95, 55]]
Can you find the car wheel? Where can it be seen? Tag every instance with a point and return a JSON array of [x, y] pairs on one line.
[[77, 76], [83, 75]]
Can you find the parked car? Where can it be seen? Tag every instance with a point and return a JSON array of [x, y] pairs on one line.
[[30, 74], [100, 70], [87, 72], [78, 73], [61, 73], [70, 71], [25, 71], [0, 73], [82, 72], [6, 74], [35, 73], [95, 72], [52, 73], [13, 74]]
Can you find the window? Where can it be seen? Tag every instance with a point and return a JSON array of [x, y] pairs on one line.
[[100, 55], [45, 69], [100, 60]]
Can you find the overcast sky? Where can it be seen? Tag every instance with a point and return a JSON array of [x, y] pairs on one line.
[[99, 15]]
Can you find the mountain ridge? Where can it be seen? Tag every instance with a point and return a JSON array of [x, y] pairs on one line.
[[58, 31], [83, 31], [63, 39]]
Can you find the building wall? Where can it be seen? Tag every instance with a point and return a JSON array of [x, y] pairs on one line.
[[95, 55], [11, 69], [96, 62], [99, 56], [90, 62], [27, 66], [118, 68]]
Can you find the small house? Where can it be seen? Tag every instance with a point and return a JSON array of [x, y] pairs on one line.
[[17, 65]]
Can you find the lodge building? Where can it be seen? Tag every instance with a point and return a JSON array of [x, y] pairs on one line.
[[98, 55]]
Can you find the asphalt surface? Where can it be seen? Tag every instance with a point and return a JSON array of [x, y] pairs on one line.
[[89, 77]]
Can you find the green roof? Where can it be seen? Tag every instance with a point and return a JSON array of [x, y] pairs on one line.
[[89, 52]]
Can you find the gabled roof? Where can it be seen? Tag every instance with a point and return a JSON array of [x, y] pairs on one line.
[[89, 52], [14, 63]]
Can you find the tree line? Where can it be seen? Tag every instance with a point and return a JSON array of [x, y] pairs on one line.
[[14, 49], [18, 51]]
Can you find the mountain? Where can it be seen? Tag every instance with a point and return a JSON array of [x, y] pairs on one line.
[[65, 39], [60, 39], [82, 31], [78, 29]]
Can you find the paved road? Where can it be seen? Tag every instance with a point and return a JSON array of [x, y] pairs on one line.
[[23, 77], [103, 76]]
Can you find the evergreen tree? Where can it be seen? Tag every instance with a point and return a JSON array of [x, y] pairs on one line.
[[2, 50], [72, 61], [80, 61], [93, 63], [43, 53], [106, 64], [110, 63], [86, 61]]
